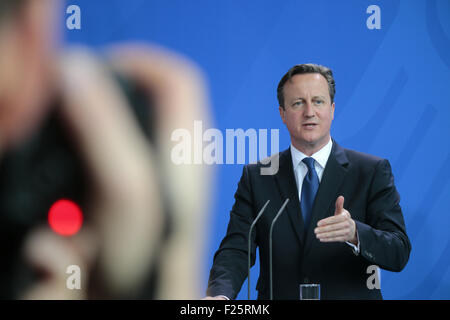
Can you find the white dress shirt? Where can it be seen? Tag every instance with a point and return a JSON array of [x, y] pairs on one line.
[[301, 169]]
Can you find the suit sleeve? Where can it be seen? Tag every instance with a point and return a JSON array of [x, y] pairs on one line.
[[383, 238], [229, 268]]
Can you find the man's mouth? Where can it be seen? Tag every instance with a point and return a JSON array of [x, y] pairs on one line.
[[309, 125]]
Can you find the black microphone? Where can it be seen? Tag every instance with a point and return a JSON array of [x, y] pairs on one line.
[[270, 245], [250, 243]]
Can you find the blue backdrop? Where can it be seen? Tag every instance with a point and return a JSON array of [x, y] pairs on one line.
[[392, 99]]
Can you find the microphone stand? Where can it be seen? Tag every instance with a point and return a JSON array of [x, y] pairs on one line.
[[250, 243], [270, 245]]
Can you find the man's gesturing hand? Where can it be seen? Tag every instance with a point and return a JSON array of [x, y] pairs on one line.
[[338, 228]]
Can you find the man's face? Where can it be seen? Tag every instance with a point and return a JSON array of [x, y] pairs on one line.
[[308, 111]]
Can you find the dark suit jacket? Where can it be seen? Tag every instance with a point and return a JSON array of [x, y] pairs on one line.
[[367, 184]]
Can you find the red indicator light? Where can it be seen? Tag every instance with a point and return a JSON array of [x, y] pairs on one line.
[[65, 217]]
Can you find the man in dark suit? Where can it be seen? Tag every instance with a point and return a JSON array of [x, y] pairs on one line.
[[343, 215]]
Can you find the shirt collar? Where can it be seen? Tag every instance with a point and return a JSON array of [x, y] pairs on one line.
[[321, 156]]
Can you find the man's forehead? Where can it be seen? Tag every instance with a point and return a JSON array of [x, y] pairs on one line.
[[308, 78], [314, 82]]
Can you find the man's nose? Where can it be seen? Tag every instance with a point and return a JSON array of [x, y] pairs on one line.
[[309, 110]]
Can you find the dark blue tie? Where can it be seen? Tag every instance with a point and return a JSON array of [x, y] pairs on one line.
[[309, 190]]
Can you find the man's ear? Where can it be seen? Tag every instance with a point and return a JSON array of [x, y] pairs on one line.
[[282, 111]]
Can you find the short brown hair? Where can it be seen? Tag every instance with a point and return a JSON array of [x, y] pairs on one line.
[[302, 69]]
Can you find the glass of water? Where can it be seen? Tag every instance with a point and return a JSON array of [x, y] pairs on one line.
[[310, 292]]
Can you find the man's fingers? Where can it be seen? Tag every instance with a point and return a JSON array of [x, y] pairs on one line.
[[333, 234], [338, 228], [331, 227], [52, 253], [332, 220], [339, 205]]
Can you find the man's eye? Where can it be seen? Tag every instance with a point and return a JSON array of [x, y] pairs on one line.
[[297, 103], [318, 102]]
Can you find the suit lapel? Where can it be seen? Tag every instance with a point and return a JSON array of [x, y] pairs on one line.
[[288, 189], [332, 178]]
